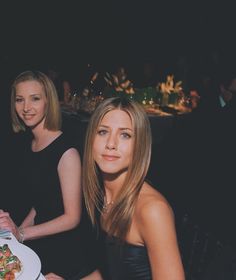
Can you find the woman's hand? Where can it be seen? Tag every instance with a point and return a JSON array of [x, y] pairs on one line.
[[53, 276], [7, 223]]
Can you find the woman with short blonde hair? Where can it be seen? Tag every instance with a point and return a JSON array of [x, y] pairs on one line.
[[50, 169], [53, 111]]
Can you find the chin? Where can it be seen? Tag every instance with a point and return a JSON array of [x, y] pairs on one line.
[[113, 171]]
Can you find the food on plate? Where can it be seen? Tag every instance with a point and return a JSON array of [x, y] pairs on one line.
[[10, 265]]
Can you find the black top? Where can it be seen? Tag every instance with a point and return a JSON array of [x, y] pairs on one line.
[[69, 253], [126, 261], [14, 192]]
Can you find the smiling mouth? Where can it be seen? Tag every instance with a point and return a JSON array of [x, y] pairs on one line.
[[28, 116]]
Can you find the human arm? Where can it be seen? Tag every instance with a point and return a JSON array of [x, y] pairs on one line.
[[69, 171], [157, 229], [53, 276], [7, 223], [95, 275], [29, 219]]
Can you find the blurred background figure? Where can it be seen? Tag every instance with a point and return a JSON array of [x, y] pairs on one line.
[[227, 92], [62, 84]]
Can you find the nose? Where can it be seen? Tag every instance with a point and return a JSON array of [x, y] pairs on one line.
[[26, 107], [111, 143]]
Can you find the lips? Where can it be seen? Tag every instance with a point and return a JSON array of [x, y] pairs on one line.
[[110, 158], [28, 117]]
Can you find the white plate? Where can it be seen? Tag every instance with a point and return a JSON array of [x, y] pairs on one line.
[[29, 259], [41, 277]]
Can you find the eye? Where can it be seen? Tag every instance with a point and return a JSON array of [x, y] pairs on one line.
[[102, 132], [18, 100], [36, 98], [125, 135]]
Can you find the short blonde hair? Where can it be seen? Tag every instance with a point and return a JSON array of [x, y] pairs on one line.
[[53, 112], [119, 218]]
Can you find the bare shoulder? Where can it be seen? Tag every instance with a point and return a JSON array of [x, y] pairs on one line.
[[70, 157], [71, 152], [152, 206]]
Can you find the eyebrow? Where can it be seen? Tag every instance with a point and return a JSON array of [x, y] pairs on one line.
[[33, 94], [120, 128]]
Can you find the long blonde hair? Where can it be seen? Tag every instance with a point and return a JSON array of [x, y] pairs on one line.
[[53, 112], [119, 218]]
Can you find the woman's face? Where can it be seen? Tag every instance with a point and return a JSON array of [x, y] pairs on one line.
[[30, 103], [113, 143]]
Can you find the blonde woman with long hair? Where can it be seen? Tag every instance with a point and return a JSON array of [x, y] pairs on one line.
[[136, 220]]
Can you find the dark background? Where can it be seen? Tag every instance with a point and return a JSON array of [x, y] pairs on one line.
[[73, 33], [69, 35]]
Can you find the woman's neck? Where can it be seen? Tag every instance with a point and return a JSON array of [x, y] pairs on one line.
[[112, 185], [42, 138]]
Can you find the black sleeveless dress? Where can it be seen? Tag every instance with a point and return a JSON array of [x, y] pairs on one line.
[[125, 261], [69, 253], [13, 192]]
